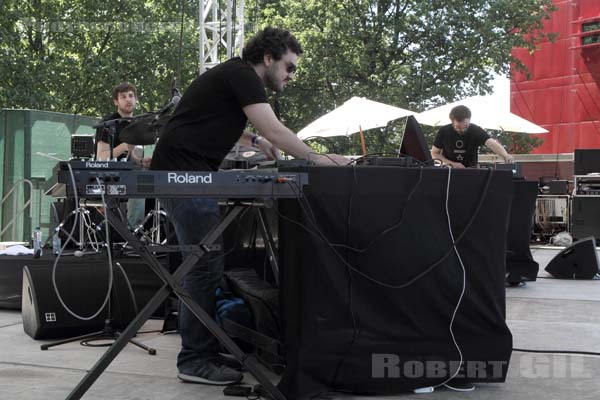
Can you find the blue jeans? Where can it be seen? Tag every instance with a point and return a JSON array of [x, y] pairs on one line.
[[193, 218], [136, 211]]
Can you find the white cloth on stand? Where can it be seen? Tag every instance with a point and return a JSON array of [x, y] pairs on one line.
[[17, 250]]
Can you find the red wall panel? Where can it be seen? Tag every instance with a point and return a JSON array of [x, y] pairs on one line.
[[562, 92]]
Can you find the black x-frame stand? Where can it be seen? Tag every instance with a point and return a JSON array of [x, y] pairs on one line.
[[171, 284]]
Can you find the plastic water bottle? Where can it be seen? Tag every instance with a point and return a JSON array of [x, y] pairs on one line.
[[56, 243], [37, 242]]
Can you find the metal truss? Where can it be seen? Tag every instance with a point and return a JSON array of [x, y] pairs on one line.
[[221, 31]]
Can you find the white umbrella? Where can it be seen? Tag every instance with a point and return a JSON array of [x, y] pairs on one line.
[[352, 116], [486, 112]]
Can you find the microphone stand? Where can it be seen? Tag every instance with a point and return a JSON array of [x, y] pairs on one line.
[[111, 126], [112, 131]]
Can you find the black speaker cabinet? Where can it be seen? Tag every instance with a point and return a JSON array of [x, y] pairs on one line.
[[578, 261], [585, 217], [520, 265], [83, 289], [559, 186], [587, 161]]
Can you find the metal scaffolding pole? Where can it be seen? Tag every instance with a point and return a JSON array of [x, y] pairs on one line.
[[221, 32]]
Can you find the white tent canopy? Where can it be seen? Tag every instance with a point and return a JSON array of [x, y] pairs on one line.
[[355, 114], [486, 112]]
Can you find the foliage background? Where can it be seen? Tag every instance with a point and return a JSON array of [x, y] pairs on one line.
[[66, 56]]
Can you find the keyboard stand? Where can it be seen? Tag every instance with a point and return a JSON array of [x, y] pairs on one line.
[[171, 284], [265, 231]]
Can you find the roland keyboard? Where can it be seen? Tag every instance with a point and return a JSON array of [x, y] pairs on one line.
[[92, 183], [94, 165]]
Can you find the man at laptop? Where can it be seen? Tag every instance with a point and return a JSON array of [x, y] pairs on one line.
[[456, 144]]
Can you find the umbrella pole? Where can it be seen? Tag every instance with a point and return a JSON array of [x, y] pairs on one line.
[[362, 142]]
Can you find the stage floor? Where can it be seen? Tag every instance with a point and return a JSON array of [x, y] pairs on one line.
[[545, 315]]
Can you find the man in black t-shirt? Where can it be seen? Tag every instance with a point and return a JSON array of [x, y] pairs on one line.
[[208, 121], [456, 144], [124, 97], [214, 110]]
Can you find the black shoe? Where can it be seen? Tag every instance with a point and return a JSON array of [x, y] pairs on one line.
[[209, 372], [230, 361]]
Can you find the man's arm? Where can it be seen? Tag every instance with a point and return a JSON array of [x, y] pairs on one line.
[[246, 139], [262, 117], [436, 154], [136, 155], [498, 149], [103, 153], [249, 139]]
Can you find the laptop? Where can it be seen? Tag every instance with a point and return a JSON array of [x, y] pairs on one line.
[[514, 167]]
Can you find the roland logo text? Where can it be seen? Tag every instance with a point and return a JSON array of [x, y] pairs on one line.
[[96, 164], [174, 177]]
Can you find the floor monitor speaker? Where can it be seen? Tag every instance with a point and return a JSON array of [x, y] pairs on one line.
[[577, 261], [83, 289]]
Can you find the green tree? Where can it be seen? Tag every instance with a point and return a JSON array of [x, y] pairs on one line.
[[407, 53], [66, 56]]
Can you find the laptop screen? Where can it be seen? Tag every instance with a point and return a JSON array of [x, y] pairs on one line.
[[413, 141]]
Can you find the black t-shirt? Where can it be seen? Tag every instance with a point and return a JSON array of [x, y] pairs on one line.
[[461, 147], [103, 133], [209, 119]]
